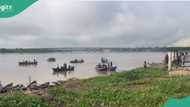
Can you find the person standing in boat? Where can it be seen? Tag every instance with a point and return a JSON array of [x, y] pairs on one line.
[[57, 67], [99, 65], [69, 68], [111, 64], [65, 66], [102, 60]]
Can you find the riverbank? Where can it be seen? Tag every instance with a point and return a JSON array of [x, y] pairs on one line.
[[140, 87]]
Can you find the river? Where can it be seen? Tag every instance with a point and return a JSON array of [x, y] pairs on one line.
[[10, 71]]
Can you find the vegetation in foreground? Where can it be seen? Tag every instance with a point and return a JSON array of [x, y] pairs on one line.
[[149, 87]]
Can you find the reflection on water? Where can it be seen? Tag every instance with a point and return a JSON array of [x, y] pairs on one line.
[[65, 73], [10, 71]]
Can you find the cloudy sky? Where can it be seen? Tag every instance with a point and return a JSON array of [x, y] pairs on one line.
[[66, 23]]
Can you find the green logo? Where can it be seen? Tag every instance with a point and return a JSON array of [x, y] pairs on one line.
[[9, 8], [185, 102]]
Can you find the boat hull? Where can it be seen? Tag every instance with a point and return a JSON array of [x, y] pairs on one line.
[[113, 68]]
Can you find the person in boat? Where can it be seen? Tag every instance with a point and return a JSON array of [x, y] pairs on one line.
[[69, 67], [65, 66], [35, 61], [99, 65], [57, 67], [111, 64], [108, 65], [103, 65], [102, 59], [62, 68]]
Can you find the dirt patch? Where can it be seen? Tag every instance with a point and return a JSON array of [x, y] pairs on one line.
[[179, 72], [41, 93], [157, 65], [74, 85]]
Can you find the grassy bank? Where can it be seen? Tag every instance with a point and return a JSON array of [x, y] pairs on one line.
[[138, 88]]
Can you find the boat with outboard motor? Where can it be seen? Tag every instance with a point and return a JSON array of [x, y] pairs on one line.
[[105, 65], [64, 68], [26, 63]]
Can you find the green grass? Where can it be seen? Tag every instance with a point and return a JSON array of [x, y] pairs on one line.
[[20, 100], [138, 88]]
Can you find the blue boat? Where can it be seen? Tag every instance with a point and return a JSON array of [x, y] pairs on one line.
[[105, 68], [105, 65]]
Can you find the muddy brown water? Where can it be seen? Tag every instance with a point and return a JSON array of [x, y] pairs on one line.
[[10, 71]]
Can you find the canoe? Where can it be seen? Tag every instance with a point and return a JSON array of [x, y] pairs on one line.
[[62, 69], [113, 68], [28, 63]]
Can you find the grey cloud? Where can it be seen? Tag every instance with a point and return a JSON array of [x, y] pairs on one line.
[[19, 29], [61, 23]]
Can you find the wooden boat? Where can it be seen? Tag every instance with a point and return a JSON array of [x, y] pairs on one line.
[[63, 69], [45, 85], [77, 61], [7, 88], [105, 68], [51, 59], [105, 65], [32, 84], [101, 68], [113, 68], [25, 63]]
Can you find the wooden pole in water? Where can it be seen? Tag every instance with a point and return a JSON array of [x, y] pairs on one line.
[[169, 61]]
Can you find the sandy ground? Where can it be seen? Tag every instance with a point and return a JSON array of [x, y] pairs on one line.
[[180, 71]]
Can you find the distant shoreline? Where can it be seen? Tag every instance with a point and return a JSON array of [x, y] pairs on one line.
[[82, 49]]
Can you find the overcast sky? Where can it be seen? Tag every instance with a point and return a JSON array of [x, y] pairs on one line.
[[62, 23]]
